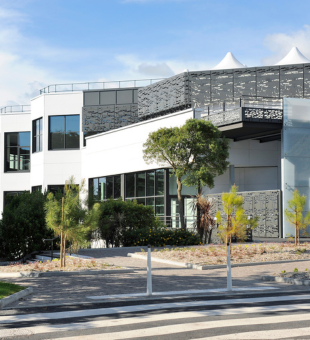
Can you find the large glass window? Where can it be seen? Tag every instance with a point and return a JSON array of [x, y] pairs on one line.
[[37, 135], [64, 132], [17, 151], [103, 188]]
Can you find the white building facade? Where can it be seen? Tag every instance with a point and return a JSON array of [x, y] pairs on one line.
[[97, 134]]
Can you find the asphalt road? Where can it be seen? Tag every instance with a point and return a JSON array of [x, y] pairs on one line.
[[272, 314]]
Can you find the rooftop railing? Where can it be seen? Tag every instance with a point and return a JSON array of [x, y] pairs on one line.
[[98, 85], [15, 109]]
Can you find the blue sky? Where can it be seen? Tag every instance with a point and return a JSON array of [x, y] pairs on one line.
[[63, 41]]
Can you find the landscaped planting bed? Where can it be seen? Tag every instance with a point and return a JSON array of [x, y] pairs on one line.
[[7, 289], [241, 253], [72, 264]]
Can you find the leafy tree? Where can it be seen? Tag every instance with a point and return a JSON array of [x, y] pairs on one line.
[[69, 218], [196, 150], [118, 216], [236, 220], [294, 214], [23, 227]]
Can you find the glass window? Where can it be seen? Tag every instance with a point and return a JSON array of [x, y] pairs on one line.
[[56, 189], [117, 186], [130, 185], [110, 187], [140, 191], [36, 188], [37, 135], [159, 187], [151, 202], [150, 183], [102, 194], [159, 206], [141, 201], [64, 132], [17, 151]]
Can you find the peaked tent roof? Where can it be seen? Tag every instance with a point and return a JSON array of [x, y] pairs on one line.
[[229, 61], [294, 56]]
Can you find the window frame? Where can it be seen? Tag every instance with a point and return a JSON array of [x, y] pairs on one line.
[[35, 135], [65, 123], [18, 147]]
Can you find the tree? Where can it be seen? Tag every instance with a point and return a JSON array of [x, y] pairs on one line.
[[23, 227], [204, 207], [196, 150], [294, 214], [69, 218], [236, 221]]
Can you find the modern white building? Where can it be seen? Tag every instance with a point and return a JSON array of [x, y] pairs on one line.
[[96, 131]]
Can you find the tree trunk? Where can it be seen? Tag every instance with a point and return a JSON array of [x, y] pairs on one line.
[[199, 229], [61, 248], [180, 199], [209, 236], [295, 227], [64, 248], [62, 237]]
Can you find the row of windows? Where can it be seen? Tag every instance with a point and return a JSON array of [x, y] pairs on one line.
[[64, 133]]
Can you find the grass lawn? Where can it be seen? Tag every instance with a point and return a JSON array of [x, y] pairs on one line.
[[7, 289]]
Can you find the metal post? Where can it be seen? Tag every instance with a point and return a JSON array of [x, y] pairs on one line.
[[149, 271], [229, 281]]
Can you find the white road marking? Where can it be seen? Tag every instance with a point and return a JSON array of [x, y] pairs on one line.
[[180, 292], [177, 316], [195, 326], [143, 308]]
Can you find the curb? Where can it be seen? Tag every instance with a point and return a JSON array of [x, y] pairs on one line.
[[50, 274], [219, 266], [14, 297], [286, 280]]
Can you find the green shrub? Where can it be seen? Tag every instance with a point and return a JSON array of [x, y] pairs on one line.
[[118, 216], [160, 237], [23, 226]]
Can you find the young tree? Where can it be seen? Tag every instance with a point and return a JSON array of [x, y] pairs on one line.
[[196, 150], [236, 220], [294, 214], [69, 219]]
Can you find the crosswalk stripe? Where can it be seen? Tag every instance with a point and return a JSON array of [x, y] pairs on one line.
[[143, 308], [175, 316], [257, 335], [207, 325]]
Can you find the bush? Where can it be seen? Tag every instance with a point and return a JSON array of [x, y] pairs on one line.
[[160, 237], [23, 227], [118, 217]]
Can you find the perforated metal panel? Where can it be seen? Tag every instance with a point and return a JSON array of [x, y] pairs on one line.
[[264, 204]]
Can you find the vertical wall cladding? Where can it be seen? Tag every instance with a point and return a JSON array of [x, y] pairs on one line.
[[292, 81], [166, 96], [306, 81], [264, 204], [222, 85], [200, 88], [96, 116], [268, 81], [245, 83]]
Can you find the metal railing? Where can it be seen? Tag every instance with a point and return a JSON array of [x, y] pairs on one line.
[[98, 85], [15, 108], [244, 101]]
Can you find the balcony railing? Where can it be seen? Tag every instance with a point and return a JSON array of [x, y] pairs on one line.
[[98, 85], [15, 109]]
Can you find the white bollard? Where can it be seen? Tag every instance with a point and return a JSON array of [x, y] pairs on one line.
[[149, 272], [229, 281]]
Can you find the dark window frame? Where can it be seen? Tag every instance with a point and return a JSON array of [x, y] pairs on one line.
[[50, 148], [18, 147], [36, 135]]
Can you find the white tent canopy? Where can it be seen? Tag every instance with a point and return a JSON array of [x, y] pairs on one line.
[[294, 56], [229, 61]]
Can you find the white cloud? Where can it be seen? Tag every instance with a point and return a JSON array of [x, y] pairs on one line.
[[280, 44]]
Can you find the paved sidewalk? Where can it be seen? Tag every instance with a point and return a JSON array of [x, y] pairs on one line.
[[76, 289]]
